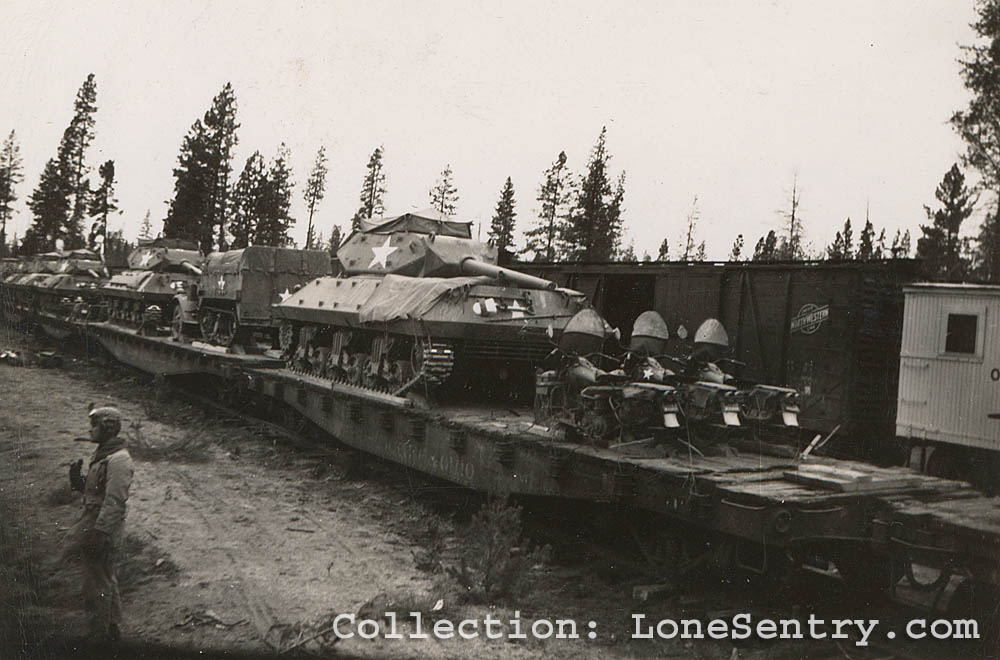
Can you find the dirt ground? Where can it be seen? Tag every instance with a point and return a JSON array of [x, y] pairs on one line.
[[237, 541]]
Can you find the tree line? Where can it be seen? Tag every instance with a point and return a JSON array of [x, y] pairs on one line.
[[578, 217]]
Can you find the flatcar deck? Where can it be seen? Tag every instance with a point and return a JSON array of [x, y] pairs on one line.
[[757, 498]]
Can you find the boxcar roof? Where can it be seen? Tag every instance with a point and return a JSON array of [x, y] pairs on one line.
[[952, 288]]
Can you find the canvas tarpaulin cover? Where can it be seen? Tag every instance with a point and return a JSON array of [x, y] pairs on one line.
[[427, 221], [308, 263], [401, 297]]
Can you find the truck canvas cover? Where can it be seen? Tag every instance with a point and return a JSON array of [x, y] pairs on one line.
[[257, 276]]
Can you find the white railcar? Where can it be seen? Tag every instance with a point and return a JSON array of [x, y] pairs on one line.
[[948, 408]]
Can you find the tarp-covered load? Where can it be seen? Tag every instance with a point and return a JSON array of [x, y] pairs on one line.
[[257, 276], [257, 258], [400, 297], [160, 258], [427, 221], [169, 243]]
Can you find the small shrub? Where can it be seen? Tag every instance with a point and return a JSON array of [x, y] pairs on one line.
[[495, 561], [433, 546]]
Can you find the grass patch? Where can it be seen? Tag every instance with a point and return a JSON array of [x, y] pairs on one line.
[[61, 495], [193, 447], [140, 561]]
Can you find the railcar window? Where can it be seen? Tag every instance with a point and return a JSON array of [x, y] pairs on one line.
[[961, 337]]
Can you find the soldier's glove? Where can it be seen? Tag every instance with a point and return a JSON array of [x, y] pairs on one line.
[[76, 479]]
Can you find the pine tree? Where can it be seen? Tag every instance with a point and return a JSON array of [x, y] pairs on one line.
[[977, 124], [11, 175], [766, 248], [866, 246], [247, 201], [444, 194], [146, 229], [700, 254], [502, 225], [628, 254], [880, 245], [50, 207], [736, 253], [664, 252], [335, 239], [117, 249], [691, 223], [940, 246], [201, 188], [102, 204], [72, 162], [842, 248], [275, 219], [372, 190], [315, 191], [790, 246], [555, 196], [987, 251], [593, 231]]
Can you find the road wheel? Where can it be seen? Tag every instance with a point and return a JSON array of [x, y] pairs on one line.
[[206, 322], [177, 325]]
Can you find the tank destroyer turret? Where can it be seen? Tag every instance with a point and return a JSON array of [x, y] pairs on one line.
[[142, 297], [420, 301]]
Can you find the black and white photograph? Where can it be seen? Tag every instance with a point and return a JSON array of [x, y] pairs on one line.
[[511, 330]]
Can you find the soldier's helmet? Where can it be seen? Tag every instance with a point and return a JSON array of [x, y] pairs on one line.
[[108, 417]]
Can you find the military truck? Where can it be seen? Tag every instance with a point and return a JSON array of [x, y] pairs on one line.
[[231, 302]]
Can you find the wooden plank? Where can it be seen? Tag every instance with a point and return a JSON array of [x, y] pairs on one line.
[[848, 480]]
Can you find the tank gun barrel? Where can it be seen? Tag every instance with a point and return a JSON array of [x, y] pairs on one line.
[[471, 266], [191, 267]]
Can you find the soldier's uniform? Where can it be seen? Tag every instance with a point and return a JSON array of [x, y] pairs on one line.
[[96, 537]]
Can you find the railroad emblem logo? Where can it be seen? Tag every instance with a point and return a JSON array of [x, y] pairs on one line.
[[809, 318]]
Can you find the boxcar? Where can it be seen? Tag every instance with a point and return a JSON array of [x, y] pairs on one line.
[[831, 330]]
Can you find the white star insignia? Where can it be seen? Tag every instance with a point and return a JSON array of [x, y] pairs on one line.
[[221, 283], [382, 253], [285, 295], [63, 267], [146, 256]]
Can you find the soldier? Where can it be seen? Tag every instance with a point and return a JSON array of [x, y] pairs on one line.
[[96, 538]]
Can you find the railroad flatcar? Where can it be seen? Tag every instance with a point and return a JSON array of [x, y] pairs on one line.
[[829, 330]]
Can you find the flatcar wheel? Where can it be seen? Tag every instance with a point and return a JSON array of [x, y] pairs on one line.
[[867, 578]]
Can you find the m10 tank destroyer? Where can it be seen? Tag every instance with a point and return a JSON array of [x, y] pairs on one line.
[[231, 303], [686, 403], [74, 290], [21, 288], [422, 302], [142, 297]]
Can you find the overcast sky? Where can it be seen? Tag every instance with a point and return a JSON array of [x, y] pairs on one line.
[[726, 101]]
